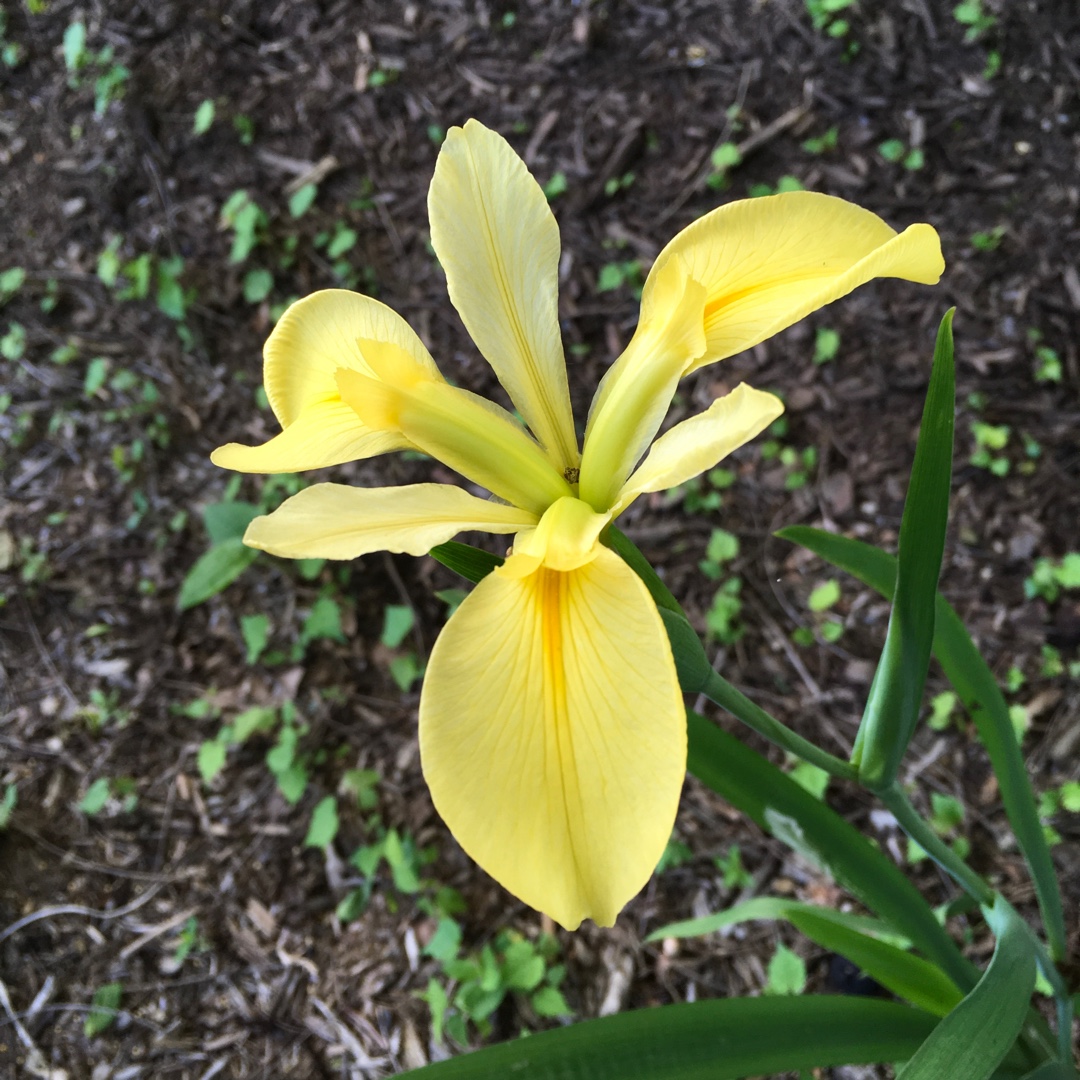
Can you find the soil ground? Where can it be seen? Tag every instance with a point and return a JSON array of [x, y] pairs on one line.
[[201, 900]]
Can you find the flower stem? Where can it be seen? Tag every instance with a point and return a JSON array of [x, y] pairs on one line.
[[718, 690]]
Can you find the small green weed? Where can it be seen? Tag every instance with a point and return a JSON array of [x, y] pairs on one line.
[[786, 973], [894, 150], [1050, 576]]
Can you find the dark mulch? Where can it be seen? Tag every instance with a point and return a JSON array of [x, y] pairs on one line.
[[94, 545]]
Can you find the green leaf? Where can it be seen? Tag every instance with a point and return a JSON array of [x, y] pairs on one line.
[[214, 571], [103, 1009], [548, 1001], [445, 942], [257, 285], [204, 117], [781, 807], [470, 562], [211, 759], [975, 1037], [7, 805], [97, 795], [228, 520], [301, 200], [787, 972], [398, 620], [965, 668], [868, 943], [824, 596], [893, 705], [257, 718], [523, 968], [324, 823], [708, 1040], [74, 46], [255, 630], [625, 548], [323, 621]]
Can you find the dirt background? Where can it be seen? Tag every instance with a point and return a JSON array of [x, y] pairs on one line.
[[97, 536]]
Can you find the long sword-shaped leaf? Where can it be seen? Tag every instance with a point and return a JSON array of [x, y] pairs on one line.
[[708, 1040], [860, 939], [791, 814], [975, 1037], [965, 668], [1052, 1070], [472, 563], [892, 708]]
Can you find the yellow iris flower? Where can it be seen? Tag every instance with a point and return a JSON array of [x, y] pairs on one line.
[[552, 728]]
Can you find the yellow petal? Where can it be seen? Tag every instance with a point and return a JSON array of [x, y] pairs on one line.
[[553, 735], [321, 333], [637, 389], [498, 242], [697, 444], [462, 430], [766, 263], [567, 537], [335, 521], [326, 433]]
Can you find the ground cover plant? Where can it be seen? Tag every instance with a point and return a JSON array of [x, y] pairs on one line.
[[219, 853]]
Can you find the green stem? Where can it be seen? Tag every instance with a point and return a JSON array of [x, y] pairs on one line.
[[718, 690], [909, 819]]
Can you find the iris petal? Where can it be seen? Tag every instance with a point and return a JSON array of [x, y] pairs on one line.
[[321, 333], [335, 521], [694, 446], [553, 735], [326, 433], [768, 262], [497, 240]]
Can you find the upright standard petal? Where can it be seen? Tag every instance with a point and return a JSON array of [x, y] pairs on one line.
[[696, 445], [334, 521], [768, 262], [553, 735], [497, 240]]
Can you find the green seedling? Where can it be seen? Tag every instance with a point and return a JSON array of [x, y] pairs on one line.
[[784, 184], [324, 823], [989, 440], [615, 275], [615, 184], [13, 343], [674, 855], [971, 15], [735, 875], [103, 1009], [556, 186], [479, 983], [362, 784], [255, 630], [946, 817], [1050, 576], [723, 159], [204, 117], [826, 344], [786, 973], [257, 285], [7, 805], [189, 941], [988, 240], [244, 129], [824, 15], [302, 200], [11, 281], [822, 599], [894, 150], [247, 220], [1047, 364], [810, 778], [821, 143], [942, 707], [723, 546]]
